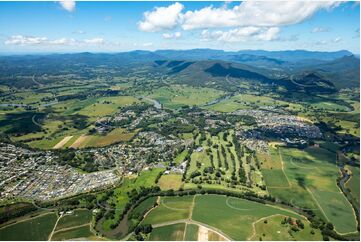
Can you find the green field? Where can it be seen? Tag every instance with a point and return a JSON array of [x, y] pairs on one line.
[[115, 136], [271, 228], [168, 233], [38, 228], [191, 232], [354, 183], [170, 209], [233, 216], [75, 233], [79, 217], [312, 174], [107, 105], [170, 181], [250, 101], [176, 96]]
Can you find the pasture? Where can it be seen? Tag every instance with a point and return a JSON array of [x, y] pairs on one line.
[[170, 209], [191, 232], [37, 228], [233, 216], [79, 217], [312, 175], [177, 96], [114, 136], [272, 228], [82, 232], [174, 232], [170, 181], [354, 183], [250, 101], [106, 106]]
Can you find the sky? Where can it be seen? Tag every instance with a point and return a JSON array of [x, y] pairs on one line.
[[68, 26]]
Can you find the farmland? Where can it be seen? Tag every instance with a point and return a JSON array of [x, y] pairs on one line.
[[38, 228], [226, 216], [311, 175], [177, 150]]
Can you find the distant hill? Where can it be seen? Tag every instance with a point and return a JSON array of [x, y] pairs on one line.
[[342, 72], [340, 68]]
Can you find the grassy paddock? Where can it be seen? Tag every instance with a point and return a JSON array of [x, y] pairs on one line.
[[38, 228], [174, 232]]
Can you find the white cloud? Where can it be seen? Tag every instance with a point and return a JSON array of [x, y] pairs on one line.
[[95, 41], [319, 30], [321, 42], [147, 44], [175, 35], [337, 39], [242, 34], [253, 13], [30, 40], [22, 40], [68, 5], [161, 18]]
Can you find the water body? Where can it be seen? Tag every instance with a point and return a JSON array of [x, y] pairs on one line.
[[218, 100]]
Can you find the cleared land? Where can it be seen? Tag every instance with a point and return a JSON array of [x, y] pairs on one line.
[[62, 142], [219, 215], [191, 232], [176, 96], [79, 217], [170, 209], [81, 232], [354, 183], [272, 228], [171, 181], [312, 175], [233, 216], [168, 232]]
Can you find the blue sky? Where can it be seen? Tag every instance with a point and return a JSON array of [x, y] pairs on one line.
[[32, 27]]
